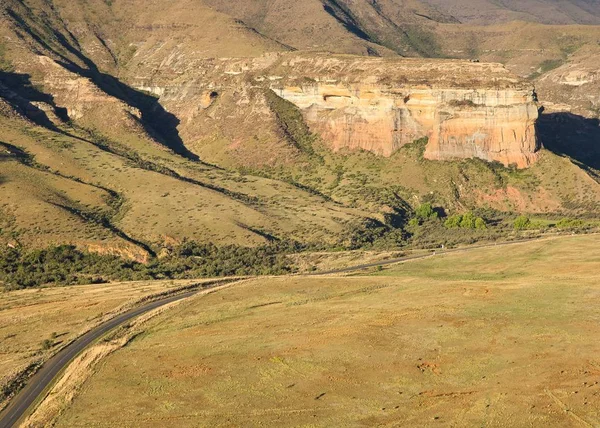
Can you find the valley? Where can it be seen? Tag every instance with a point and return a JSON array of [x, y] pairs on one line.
[[310, 213], [495, 342]]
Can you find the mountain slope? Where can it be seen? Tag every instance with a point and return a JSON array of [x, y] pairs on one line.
[[540, 11], [147, 125], [56, 115]]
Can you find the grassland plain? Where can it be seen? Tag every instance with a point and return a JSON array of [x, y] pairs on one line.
[[502, 336], [36, 323]]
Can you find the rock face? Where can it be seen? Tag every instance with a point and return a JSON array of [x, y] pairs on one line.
[[467, 110]]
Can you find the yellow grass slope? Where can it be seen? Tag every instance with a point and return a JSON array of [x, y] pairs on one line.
[[491, 336]]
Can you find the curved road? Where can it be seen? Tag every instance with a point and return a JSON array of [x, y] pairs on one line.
[[20, 404], [38, 383]]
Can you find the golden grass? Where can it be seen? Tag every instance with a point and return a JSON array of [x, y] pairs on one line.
[[62, 393], [158, 208], [502, 336], [28, 317]]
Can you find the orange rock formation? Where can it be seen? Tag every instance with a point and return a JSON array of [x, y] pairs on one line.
[[467, 110]]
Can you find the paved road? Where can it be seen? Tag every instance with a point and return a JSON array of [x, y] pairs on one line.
[[43, 378], [38, 383]]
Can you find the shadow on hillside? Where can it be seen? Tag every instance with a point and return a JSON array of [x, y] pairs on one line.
[[342, 15], [18, 91], [568, 134], [158, 122]]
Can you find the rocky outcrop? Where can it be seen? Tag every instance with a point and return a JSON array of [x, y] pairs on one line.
[[467, 110]]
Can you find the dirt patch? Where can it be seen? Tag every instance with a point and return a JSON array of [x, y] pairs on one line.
[[427, 366]]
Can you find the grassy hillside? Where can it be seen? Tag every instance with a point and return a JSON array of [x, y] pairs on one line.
[[161, 196], [409, 28], [150, 191], [540, 11], [486, 337], [129, 134]]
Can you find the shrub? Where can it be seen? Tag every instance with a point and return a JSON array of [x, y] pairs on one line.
[[453, 222], [480, 223], [567, 223], [468, 221], [465, 221], [522, 222], [426, 211]]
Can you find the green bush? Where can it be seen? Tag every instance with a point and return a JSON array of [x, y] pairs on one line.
[[453, 222], [567, 223], [465, 221], [522, 222], [480, 223], [414, 222], [468, 221], [47, 344], [425, 211]]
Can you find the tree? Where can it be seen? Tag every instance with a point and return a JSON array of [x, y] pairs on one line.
[[468, 221], [425, 211], [465, 221], [567, 223], [522, 222], [453, 222]]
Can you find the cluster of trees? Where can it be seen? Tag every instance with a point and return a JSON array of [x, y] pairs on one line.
[[465, 221], [61, 265], [423, 213], [469, 220], [427, 212], [66, 265]]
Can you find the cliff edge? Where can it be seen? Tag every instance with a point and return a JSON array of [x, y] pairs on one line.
[[466, 109]]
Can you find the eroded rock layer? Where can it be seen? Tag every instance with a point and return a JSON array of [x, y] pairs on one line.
[[467, 110]]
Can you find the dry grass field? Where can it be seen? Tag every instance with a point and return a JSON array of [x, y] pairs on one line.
[[59, 315], [503, 336]]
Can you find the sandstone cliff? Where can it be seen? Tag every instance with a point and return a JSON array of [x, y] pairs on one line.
[[466, 109]]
